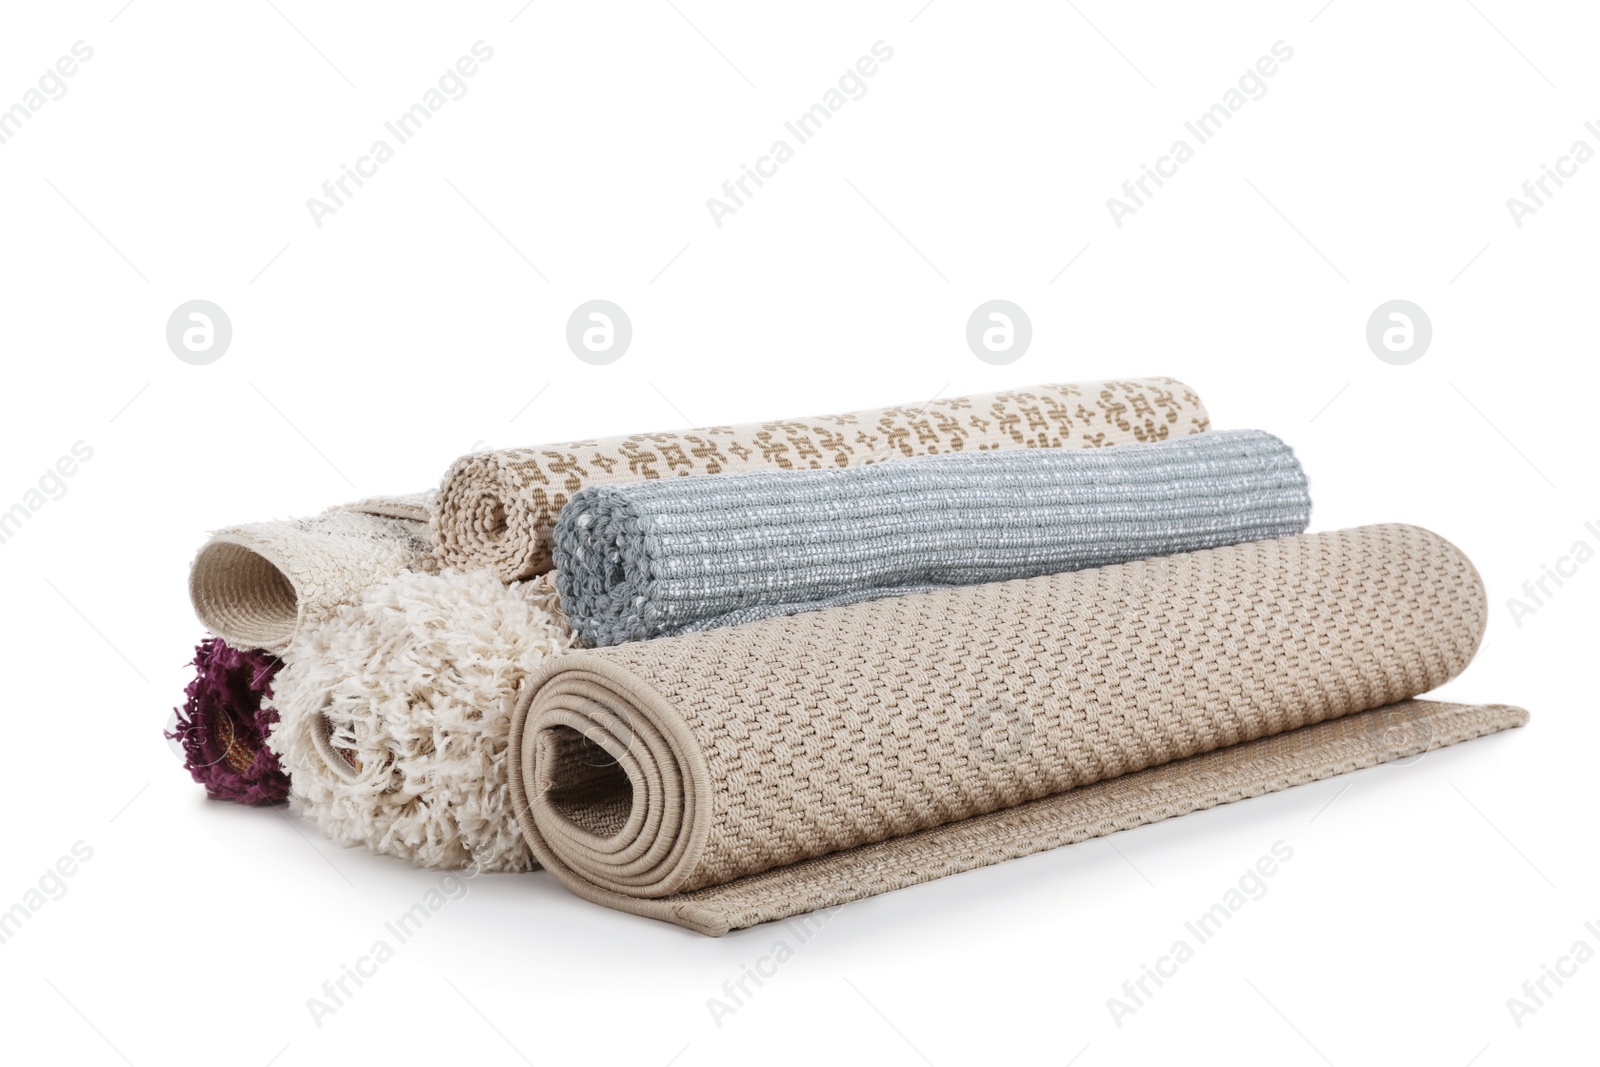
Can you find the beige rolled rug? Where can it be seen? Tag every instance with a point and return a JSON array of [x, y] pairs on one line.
[[735, 776], [394, 715], [259, 584], [498, 509]]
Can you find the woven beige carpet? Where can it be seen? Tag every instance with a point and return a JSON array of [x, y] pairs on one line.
[[258, 584], [498, 509], [739, 775]]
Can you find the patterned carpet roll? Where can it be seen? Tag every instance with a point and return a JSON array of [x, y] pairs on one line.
[[396, 712], [497, 509], [744, 774], [223, 725], [258, 585], [684, 554]]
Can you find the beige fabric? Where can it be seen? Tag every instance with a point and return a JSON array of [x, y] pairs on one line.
[[497, 509], [418, 507], [653, 777], [259, 584], [1251, 769], [394, 714]]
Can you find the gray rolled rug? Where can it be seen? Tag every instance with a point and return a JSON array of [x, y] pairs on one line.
[[685, 554]]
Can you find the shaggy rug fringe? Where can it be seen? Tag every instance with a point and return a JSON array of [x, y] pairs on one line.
[[223, 725], [395, 715]]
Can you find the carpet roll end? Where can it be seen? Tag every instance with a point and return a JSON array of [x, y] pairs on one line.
[[720, 778], [243, 597], [479, 519], [260, 584]]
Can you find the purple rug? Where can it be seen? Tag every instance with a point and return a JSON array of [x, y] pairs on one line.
[[222, 725]]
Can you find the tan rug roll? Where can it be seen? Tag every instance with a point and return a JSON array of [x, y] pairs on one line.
[[259, 584], [739, 775], [497, 509]]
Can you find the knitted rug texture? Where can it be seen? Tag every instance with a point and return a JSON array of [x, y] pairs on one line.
[[260, 584], [396, 713], [1254, 768], [682, 554], [498, 509], [747, 773], [224, 722]]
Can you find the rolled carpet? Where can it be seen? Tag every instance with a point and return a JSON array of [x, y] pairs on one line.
[[223, 725], [259, 584], [739, 775], [683, 554], [396, 712], [497, 509]]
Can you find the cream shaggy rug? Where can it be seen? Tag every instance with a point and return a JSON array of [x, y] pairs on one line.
[[395, 712]]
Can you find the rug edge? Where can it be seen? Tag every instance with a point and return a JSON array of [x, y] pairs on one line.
[[1224, 776]]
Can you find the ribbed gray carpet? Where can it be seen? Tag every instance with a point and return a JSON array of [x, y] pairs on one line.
[[663, 557]]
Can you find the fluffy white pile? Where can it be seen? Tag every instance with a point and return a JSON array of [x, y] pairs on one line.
[[395, 715]]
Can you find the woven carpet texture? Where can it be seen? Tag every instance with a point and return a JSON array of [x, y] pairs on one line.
[[645, 773], [1405, 730], [681, 554], [498, 509], [257, 585]]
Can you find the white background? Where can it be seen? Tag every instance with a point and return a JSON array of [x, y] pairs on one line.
[[421, 318]]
